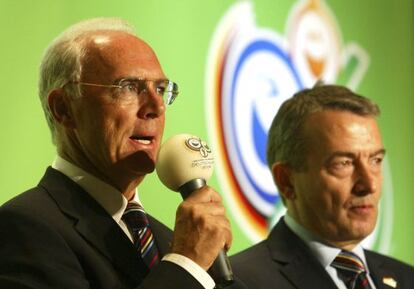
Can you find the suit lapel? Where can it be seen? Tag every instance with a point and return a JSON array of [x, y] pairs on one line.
[[162, 235], [95, 225], [382, 277], [301, 268]]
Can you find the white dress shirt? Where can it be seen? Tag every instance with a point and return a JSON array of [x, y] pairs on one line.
[[325, 253], [113, 202]]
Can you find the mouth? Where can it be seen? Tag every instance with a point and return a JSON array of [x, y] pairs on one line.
[[362, 209], [145, 140]]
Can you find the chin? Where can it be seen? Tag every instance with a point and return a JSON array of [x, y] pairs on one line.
[[142, 162], [143, 170], [360, 232], [137, 164]]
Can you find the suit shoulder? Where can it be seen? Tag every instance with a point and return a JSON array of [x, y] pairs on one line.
[[257, 251], [377, 258], [33, 205], [256, 267], [31, 200], [26, 200]]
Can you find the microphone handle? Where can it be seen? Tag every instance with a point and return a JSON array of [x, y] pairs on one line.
[[191, 186], [221, 270]]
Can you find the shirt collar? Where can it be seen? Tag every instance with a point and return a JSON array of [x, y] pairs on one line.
[[323, 252], [110, 198]]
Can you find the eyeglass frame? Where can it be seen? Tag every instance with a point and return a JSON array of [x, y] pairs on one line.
[[171, 95]]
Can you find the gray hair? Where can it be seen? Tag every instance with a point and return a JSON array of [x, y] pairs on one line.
[[286, 142], [63, 58]]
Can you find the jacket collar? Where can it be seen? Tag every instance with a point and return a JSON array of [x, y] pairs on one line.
[[299, 265], [384, 276], [94, 224]]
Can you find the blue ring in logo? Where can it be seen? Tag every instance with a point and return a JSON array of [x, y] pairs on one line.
[[259, 134]]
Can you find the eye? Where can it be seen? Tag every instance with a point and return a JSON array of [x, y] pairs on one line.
[[129, 86], [161, 87], [341, 166], [342, 163], [377, 160]]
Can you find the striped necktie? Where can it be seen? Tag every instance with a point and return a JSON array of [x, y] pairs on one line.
[[351, 268], [137, 222]]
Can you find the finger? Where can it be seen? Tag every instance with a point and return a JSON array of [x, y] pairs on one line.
[[192, 210], [204, 195], [203, 216], [224, 229]]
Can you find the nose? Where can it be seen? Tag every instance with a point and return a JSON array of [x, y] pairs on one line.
[[151, 105], [367, 180]]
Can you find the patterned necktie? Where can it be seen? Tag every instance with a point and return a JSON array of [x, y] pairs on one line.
[[352, 270], [137, 222]]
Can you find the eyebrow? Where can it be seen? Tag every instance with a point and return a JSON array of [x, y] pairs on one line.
[[133, 78], [352, 155], [118, 80]]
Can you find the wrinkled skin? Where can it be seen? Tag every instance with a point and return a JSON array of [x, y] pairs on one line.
[[118, 142]]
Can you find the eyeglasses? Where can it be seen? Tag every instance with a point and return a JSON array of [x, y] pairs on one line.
[[127, 90]]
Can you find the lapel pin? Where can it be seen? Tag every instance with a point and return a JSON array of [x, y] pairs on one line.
[[389, 281]]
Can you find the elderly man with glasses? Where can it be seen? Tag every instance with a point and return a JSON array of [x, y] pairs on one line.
[[104, 95]]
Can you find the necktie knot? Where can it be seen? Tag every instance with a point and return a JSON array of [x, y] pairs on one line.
[[135, 216], [348, 261], [137, 222], [352, 270]]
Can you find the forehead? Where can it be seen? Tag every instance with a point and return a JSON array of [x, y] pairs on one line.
[[112, 55], [328, 131]]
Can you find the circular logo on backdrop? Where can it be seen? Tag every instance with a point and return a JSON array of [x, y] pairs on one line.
[[251, 71], [261, 77]]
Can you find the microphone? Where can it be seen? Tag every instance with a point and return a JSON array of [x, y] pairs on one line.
[[184, 164]]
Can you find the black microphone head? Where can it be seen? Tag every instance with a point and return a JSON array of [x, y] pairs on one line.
[[183, 158]]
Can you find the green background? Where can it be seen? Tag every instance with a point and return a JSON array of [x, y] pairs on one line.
[[180, 32]]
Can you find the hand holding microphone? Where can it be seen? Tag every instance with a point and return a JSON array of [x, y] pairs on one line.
[[202, 230]]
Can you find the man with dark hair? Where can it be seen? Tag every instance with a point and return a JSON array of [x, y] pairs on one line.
[[325, 154], [104, 95]]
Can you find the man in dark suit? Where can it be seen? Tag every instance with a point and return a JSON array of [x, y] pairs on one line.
[[104, 95], [325, 154]]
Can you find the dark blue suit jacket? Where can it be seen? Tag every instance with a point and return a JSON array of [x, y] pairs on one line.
[[57, 236], [283, 261]]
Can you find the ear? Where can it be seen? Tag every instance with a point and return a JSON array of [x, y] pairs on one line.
[[59, 105], [282, 177]]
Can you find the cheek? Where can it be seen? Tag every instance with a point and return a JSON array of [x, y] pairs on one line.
[[90, 126], [379, 183], [162, 125], [105, 126], [118, 115], [115, 128], [329, 194], [308, 191]]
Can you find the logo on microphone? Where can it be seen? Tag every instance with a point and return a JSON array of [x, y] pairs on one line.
[[198, 145], [251, 71]]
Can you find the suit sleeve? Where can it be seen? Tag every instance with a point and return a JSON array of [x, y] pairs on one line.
[[34, 255], [168, 275], [171, 276]]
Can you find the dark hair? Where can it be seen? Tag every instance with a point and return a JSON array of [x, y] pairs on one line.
[[286, 142]]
